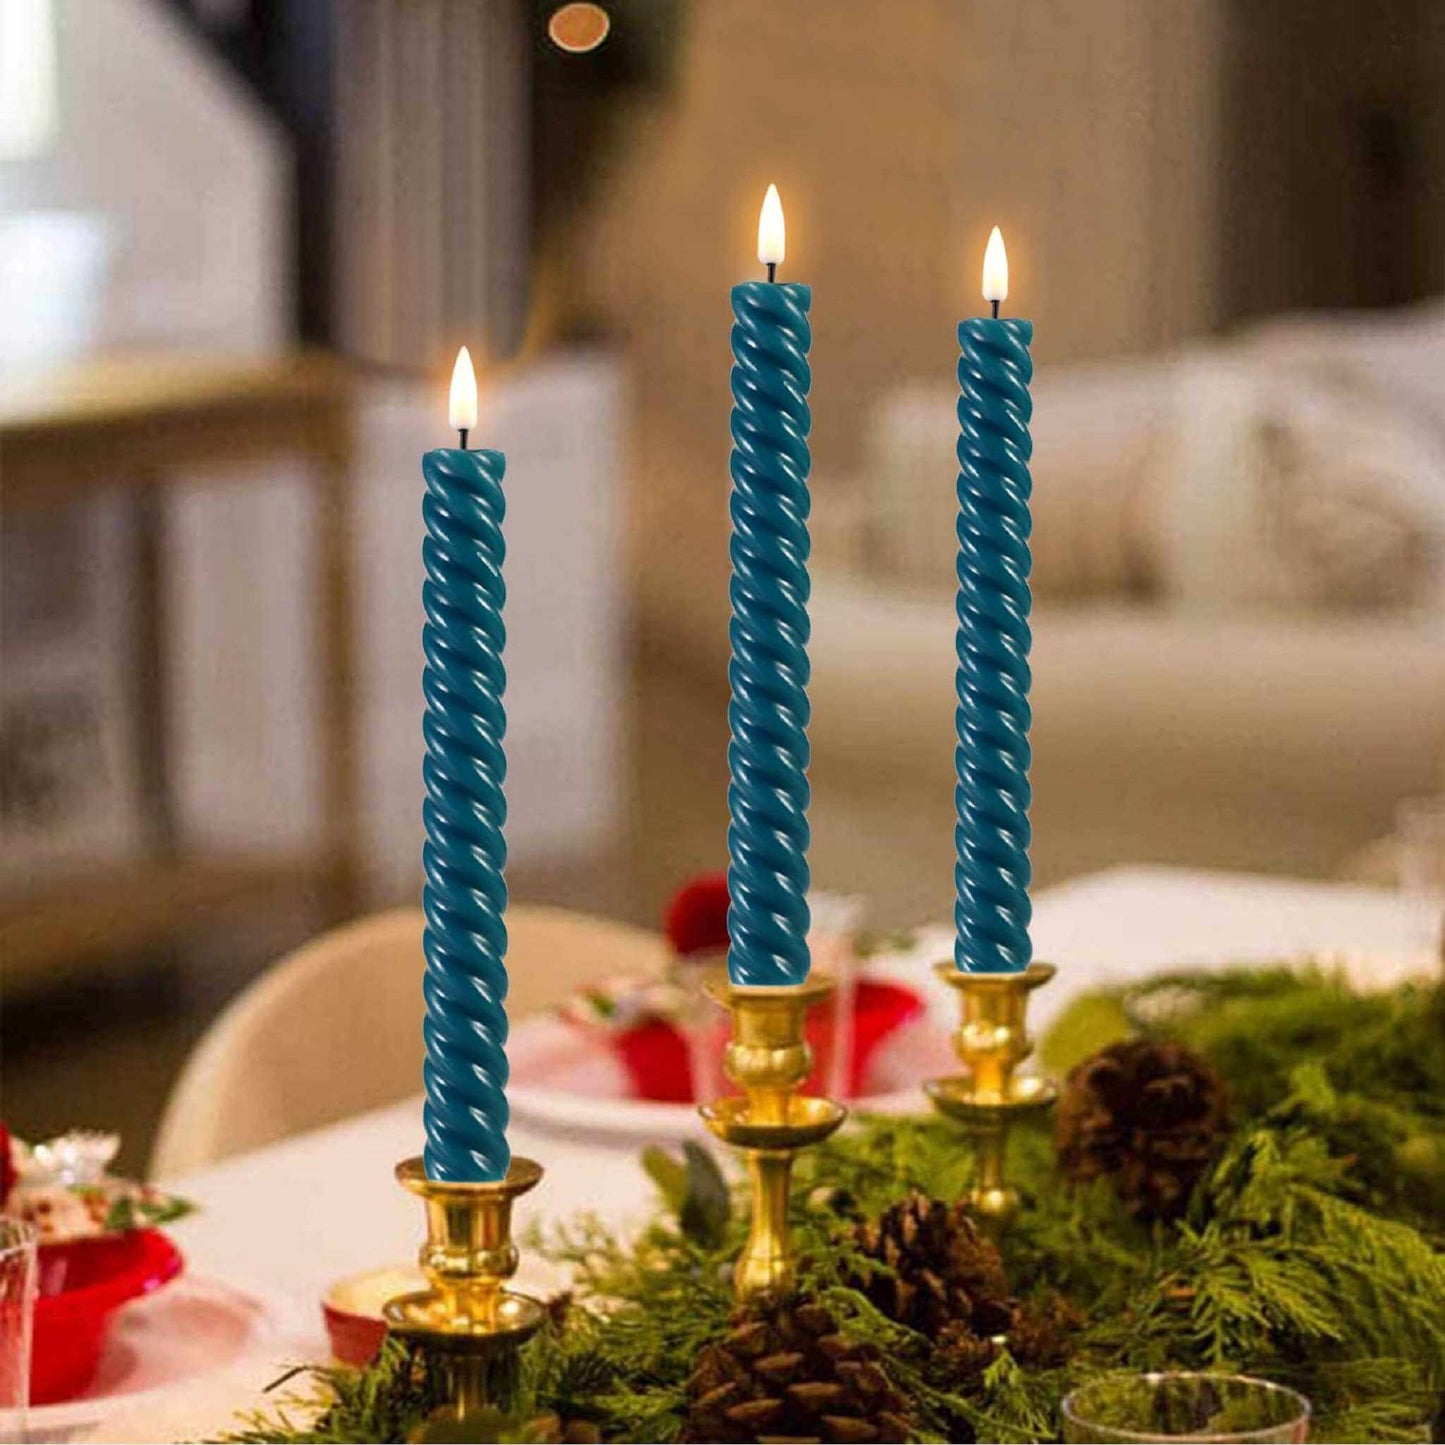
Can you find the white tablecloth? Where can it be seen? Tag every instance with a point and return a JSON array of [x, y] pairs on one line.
[[286, 1221]]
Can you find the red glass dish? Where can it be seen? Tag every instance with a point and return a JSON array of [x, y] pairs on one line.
[[82, 1284], [655, 1055], [878, 1009], [655, 1052]]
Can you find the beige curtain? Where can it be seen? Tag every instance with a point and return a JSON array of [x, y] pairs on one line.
[[431, 207]]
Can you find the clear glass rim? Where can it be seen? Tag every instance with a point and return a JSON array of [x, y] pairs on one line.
[[1302, 1407], [1420, 807]]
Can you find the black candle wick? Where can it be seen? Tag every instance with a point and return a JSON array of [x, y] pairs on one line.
[[993, 303], [462, 433], [772, 270]]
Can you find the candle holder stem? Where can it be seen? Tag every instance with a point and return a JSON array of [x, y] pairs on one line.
[[770, 1121], [468, 1324], [990, 1097]]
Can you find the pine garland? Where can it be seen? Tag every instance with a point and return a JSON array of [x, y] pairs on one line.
[[1311, 1253]]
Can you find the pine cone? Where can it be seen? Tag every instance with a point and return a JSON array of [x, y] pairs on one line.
[[940, 1269], [785, 1372], [552, 1429], [1152, 1114], [959, 1358], [1044, 1331], [1040, 1338]]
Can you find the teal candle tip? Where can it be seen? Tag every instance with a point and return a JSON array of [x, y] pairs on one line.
[[768, 715], [992, 911], [465, 1112]]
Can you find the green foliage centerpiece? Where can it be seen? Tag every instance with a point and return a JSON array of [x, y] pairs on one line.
[[1248, 1176]]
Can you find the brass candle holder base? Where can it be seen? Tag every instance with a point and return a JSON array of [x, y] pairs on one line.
[[770, 1122], [992, 1040], [468, 1323]]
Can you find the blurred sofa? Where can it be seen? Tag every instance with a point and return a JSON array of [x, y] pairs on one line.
[[1239, 655]]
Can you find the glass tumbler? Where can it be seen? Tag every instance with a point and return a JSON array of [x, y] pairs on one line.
[[1180, 1405], [17, 1316], [1420, 828]]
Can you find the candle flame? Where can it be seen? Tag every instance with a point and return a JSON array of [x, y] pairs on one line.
[[995, 268], [772, 233], [462, 412]]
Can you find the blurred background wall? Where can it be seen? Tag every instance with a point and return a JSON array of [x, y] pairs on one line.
[[1165, 174], [1225, 217], [898, 135]]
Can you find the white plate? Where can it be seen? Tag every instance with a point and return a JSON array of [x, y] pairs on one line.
[[567, 1080], [188, 1330]]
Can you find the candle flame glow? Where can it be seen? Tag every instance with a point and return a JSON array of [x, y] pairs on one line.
[[462, 412], [772, 233], [995, 268]]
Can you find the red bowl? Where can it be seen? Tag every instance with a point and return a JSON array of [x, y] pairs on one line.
[[82, 1284]]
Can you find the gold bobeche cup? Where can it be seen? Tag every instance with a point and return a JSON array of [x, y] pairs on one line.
[[990, 1097], [467, 1323], [770, 1121]]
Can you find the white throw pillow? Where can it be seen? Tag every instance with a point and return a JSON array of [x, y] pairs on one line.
[[1295, 483], [1095, 431]]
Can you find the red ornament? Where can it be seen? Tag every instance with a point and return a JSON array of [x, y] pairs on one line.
[[697, 917]]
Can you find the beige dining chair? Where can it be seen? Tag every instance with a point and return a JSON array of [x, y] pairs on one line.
[[334, 1028]]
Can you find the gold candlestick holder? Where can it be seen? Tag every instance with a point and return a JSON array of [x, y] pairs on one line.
[[989, 1098], [468, 1323], [770, 1121]]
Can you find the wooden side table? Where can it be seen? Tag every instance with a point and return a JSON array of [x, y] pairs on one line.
[[139, 423]]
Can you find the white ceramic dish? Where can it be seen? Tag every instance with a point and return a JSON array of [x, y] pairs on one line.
[[189, 1330], [564, 1079]]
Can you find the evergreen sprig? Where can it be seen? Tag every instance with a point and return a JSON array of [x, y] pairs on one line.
[[1310, 1254], [382, 1402]]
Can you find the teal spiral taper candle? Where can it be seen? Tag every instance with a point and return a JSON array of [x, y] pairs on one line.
[[465, 853], [991, 876], [768, 672]]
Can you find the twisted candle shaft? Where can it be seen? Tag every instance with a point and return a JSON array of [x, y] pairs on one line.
[[465, 897], [768, 715], [992, 910]]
